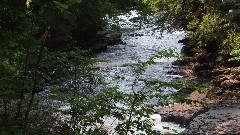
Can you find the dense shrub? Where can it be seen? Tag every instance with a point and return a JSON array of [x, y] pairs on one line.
[[212, 26]]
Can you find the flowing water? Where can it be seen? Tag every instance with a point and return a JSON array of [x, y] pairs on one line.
[[140, 44], [122, 59]]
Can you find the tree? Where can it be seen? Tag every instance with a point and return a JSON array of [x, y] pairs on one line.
[[211, 26], [27, 64]]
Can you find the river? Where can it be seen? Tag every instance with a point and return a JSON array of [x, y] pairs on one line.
[[140, 44], [121, 60]]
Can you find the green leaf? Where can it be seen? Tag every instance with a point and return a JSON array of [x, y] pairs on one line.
[[51, 16], [70, 18], [60, 5]]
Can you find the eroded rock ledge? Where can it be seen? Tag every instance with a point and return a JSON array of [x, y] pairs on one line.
[[181, 114], [184, 113], [224, 118], [102, 40], [60, 41]]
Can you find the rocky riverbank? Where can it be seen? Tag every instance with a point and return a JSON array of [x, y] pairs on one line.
[[223, 114], [222, 118], [102, 40], [184, 113], [97, 43]]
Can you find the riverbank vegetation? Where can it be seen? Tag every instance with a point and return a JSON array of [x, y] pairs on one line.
[[41, 44], [31, 33], [48, 84], [212, 37], [212, 27]]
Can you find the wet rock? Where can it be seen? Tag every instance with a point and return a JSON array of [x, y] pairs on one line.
[[181, 113], [109, 37], [182, 62], [124, 43], [98, 48], [97, 42], [113, 38], [136, 35], [184, 91], [102, 40], [184, 113]]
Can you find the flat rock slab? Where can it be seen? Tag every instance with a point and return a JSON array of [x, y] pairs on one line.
[[224, 119], [180, 113], [183, 114]]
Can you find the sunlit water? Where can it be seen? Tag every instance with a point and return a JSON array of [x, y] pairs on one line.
[[122, 59]]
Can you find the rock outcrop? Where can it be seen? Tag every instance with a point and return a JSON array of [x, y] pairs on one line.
[[181, 114], [102, 40], [184, 113], [222, 119], [61, 41]]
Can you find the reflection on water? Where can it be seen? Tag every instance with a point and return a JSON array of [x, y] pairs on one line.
[[140, 45]]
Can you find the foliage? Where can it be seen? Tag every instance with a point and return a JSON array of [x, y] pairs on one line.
[[207, 23], [231, 43], [235, 55], [28, 66], [88, 107], [173, 14]]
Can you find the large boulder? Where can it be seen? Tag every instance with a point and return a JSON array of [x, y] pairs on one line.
[[184, 113], [181, 114]]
